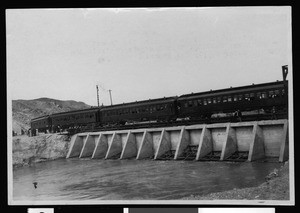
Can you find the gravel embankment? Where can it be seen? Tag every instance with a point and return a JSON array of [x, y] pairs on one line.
[[276, 187]]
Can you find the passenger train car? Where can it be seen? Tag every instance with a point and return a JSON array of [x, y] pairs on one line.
[[42, 123], [75, 119], [270, 98], [267, 97], [156, 109]]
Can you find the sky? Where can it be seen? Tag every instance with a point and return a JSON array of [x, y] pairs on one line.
[[143, 53]]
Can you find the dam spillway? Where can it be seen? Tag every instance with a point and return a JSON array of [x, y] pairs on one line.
[[247, 141]]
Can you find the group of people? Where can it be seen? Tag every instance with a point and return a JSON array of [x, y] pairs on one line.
[[23, 132]]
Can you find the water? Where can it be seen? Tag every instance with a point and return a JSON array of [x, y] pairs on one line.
[[86, 179]]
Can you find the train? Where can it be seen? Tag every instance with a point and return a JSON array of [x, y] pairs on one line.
[[259, 99]]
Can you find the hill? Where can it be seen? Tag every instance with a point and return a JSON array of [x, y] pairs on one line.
[[24, 110]]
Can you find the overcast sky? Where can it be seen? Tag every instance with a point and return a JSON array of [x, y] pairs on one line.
[[143, 53]]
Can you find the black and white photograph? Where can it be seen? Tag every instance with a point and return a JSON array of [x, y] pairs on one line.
[[182, 105]]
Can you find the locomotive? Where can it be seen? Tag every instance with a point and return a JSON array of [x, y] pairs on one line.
[[267, 98]]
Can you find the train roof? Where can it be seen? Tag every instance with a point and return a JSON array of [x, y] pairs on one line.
[[40, 117], [68, 112], [140, 103], [240, 89], [92, 109]]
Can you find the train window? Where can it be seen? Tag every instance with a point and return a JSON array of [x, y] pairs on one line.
[[209, 100], [195, 103], [263, 95], [276, 93], [282, 92], [271, 94], [240, 97], [235, 98], [229, 99], [224, 98], [190, 103], [204, 101], [252, 95], [219, 99], [247, 97], [214, 100], [199, 102], [258, 95], [185, 104]]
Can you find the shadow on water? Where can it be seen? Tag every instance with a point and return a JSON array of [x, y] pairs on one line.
[[73, 179]]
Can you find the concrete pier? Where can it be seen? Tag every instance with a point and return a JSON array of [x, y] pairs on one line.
[[256, 140]]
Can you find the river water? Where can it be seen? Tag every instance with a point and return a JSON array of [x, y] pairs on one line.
[[86, 179]]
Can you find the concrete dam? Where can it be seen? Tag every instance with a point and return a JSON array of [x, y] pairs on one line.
[[243, 141]]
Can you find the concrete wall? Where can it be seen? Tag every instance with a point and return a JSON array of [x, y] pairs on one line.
[[244, 137], [218, 138], [272, 139], [194, 135], [174, 138], [260, 139]]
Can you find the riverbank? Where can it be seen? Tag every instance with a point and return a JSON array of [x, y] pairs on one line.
[[45, 147], [276, 187]]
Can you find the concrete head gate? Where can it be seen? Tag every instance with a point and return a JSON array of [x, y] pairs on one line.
[[225, 141]]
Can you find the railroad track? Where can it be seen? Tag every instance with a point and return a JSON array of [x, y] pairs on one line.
[[183, 123]]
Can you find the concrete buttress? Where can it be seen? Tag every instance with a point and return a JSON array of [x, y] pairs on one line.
[[230, 145], [257, 149], [115, 146], [146, 148], [183, 143], [129, 149], [101, 147], [164, 144], [76, 146], [205, 144]]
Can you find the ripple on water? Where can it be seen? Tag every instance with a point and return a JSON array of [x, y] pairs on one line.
[[73, 179]]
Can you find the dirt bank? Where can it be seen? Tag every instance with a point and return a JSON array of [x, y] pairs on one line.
[[27, 150], [276, 187]]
